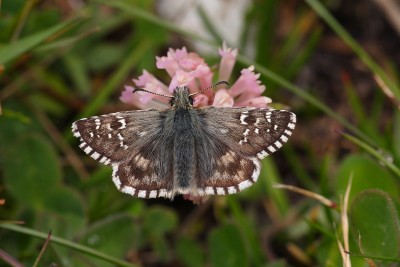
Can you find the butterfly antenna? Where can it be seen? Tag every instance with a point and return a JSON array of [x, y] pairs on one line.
[[144, 90], [212, 86]]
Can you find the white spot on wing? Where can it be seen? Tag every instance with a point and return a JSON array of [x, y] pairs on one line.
[[243, 117], [262, 154], [209, 190], [95, 155], [128, 190], [163, 192], [283, 138], [220, 191], [115, 177], [153, 194], [244, 185], [257, 170], [98, 123], [142, 193], [104, 160], [123, 124], [232, 190], [88, 149], [278, 144], [287, 132]]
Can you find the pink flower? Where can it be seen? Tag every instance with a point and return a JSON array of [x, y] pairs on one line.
[[189, 69]]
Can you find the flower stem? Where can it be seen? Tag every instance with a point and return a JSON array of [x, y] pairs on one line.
[[67, 243]]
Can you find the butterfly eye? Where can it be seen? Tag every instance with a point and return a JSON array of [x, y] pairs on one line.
[[172, 102], [191, 100]]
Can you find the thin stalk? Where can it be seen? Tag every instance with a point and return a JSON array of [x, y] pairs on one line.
[[22, 19], [116, 79], [307, 97], [356, 47], [374, 152], [68, 244]]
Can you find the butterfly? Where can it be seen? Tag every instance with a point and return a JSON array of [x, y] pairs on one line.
[[183, 149]]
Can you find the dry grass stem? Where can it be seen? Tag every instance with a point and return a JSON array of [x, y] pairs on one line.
[[310, 194]]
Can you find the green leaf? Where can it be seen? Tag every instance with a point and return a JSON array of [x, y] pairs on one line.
[[374, 217], [114, 235], [189, 252], [396, 133], [367, 174], [278, 263], [158, 221], [31, 170], [78, 72], [104, 56], [227, 247], [13, 50], [65, 210]]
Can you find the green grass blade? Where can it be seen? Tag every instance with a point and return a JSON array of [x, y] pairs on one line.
[[306, 96], [379, 258], [352, 43], [142, 14], [15, 49], [120, 74], [68, 244], [374, 152], [208, 25]]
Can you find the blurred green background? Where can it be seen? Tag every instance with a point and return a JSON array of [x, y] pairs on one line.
[[334, 63]]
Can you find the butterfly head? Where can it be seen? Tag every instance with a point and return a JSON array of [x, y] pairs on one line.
[[181, 98]]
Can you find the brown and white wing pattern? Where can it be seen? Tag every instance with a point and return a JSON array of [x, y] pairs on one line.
[[235, 140], [191, 151], [130, 142]]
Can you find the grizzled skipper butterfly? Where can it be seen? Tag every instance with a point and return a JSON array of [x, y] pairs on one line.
[[184, 150]]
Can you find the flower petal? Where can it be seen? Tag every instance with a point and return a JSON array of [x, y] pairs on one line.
[[204, 76], [200, 100], [181, 78], [258, 102], [191, 61], [228, 59], [223, 99]]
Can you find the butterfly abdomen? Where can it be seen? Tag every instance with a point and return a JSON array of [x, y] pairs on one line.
[[183, 148]]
